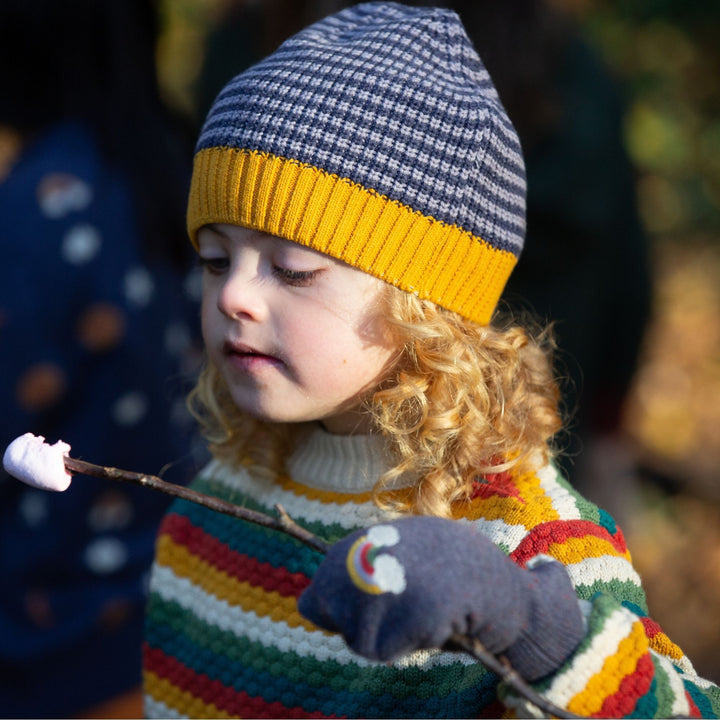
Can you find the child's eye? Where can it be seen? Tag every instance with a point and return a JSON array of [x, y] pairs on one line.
[[296, 278], [214, 265]]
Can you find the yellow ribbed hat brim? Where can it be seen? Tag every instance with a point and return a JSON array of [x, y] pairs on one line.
[[335, 216]]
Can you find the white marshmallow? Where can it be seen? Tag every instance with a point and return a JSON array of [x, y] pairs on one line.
[[30, 459]]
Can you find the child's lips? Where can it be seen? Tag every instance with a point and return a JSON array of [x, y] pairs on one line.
[[246, 357]]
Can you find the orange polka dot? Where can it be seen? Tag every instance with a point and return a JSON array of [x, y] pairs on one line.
[[40, 387], [113, 614], [101, 327], [10, 148]]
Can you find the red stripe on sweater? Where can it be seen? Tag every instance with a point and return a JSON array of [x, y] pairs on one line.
[[632, 688], [233, 702], [651, 627], [235, 564], [542, 536], [498, 485]]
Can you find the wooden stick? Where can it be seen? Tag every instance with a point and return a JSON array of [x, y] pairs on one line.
[[283, 523]]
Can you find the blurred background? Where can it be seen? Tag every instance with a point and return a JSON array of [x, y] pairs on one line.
[[652, 454]]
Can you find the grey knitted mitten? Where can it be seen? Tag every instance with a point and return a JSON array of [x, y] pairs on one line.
[[412, 583]]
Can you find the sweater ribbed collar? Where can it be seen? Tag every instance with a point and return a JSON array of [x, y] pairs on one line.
[[339, 463]]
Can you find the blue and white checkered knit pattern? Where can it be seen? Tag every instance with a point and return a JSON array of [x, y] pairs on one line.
[[395, 99]]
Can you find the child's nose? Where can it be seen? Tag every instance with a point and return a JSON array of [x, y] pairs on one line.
[[240, 297]]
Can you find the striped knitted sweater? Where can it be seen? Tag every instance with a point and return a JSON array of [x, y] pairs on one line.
[[224, 638]]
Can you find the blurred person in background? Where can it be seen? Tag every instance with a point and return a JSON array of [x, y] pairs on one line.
[[585, 263], [96, 338]]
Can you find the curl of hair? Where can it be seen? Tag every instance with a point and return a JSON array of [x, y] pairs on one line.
[[466, 401], [234, 436], [463, 401]]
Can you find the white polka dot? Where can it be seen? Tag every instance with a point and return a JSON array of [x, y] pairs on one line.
[[105, 555], [61, 194], [139, 287], [111, 511], [81, 244], [130, 409], [33, 508]]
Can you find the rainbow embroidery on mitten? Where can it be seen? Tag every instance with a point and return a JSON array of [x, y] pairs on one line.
[[372, 572]]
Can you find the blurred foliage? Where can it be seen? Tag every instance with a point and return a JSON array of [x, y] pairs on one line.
[[667, 53], [180, 52]]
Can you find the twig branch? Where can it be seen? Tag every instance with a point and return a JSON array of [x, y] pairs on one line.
[[284, 523], [503, 669]]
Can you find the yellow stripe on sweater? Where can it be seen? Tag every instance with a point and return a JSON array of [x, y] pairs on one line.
[[249, 598], [534, 506], [614, 670], [329, 497], [575, 550], [324, 496], [186, 704], [663, 645]]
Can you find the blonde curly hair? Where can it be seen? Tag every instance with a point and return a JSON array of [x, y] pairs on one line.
[[462, 401]]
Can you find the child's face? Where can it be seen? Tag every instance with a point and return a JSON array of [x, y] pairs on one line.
[[296, 334]]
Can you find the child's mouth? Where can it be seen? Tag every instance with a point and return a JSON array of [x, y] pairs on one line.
[[246, 358]]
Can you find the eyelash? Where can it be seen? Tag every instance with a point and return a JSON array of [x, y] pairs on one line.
[[215, 266], [295, 278]]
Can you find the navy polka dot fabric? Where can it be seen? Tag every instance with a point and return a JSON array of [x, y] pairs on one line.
[[96, 348]]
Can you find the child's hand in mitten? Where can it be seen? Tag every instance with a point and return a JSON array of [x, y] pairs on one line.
[[412, 583]]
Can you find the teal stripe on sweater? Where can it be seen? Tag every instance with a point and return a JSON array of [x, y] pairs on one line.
[[708, 702], [647, 705], [170, 620], [456, 690], [269, 546]]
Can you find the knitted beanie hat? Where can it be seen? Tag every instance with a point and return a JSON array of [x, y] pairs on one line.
[[377, 137]]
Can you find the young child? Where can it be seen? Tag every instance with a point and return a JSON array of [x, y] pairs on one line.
[[358, 204]]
